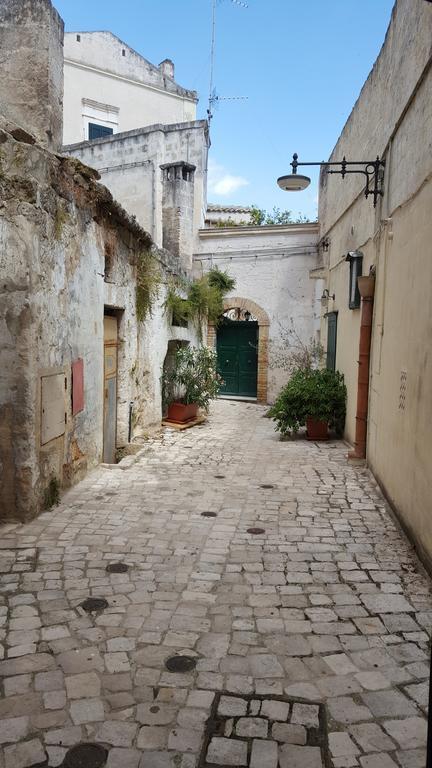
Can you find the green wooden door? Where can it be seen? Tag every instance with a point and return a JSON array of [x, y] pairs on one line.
[[331, 340], [237, 351]]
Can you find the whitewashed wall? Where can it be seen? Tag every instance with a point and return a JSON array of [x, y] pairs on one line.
[[391, 118], [271, 267], [129, 165], [141, 94]]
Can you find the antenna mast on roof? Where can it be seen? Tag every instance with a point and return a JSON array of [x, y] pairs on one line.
[[213, 98]]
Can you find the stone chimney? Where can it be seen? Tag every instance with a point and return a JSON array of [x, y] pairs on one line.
[[167, 68], [178, 211], [31, 82]]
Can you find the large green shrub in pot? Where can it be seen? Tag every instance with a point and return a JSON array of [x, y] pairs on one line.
[[193, 378], [317, 394]]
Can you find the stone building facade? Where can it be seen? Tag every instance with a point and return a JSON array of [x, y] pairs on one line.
[[271, 266], [81, 359], [134, 164], [110, 88], [392, 118], [226, 215]]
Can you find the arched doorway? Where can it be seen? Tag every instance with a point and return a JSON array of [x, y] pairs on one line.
[[241, 340]]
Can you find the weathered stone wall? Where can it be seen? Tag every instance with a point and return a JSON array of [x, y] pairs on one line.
[[129, 165], [178, 212], [31, 82], [392, 118], [58, 230], [271, 267]]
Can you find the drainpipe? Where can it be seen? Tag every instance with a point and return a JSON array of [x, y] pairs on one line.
[[366, 287]]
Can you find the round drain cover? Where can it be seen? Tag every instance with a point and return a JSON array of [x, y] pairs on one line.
[[94, 604], [208, 514], [256, 531], [86, 756], [266, 485], [180, 664], [117, 568]]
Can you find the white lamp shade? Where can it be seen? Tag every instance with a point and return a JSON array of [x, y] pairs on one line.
[[294, 182]]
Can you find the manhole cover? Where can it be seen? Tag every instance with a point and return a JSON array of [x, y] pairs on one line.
[[256, 531], [117, 568], [266, 485], [219, 477], [208, 514], [86, 756], [94, 604], [180, 664]]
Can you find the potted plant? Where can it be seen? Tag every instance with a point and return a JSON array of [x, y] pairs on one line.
[[312, 398], [191, 383]]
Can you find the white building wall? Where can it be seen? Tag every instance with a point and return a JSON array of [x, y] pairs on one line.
[[271, 267], [392, 118], [103, 86], [129, 165]]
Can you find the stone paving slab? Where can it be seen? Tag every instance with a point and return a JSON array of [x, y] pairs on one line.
[[263, 732], [327, 607]]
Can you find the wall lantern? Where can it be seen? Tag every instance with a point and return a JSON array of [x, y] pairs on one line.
[[355, 259], [372, 169], [326, 295], [325, 244]]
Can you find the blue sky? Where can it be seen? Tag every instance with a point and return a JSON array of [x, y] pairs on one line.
[[301, 64]]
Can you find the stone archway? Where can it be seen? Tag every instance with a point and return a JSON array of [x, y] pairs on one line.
[[237, 302]]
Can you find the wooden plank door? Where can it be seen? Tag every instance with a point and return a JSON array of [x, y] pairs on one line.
[[237, 350], [110, 389]]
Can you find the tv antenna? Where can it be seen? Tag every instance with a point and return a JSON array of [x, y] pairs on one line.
[[213, 96]]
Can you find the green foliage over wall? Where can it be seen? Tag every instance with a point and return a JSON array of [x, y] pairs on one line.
[[147, 284], [261, 218], [204, 298]]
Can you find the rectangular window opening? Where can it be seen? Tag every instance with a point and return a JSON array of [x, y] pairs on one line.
[[99, 131]]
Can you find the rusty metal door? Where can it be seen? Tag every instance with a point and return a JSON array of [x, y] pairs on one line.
[[110, 389]]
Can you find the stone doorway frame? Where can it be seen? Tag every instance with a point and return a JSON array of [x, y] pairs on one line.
[[235, 302]]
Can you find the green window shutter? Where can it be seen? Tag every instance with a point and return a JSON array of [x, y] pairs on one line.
[[331, 340], [99, 131]]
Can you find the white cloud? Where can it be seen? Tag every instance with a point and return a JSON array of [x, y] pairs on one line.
[[222, 183]]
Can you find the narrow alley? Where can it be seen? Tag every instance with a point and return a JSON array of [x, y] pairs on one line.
[[273, 572]]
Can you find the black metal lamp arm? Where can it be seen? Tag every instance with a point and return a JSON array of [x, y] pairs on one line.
[[371, 169]]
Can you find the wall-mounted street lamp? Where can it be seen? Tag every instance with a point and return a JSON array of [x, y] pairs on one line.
[[326, 295], [372, 169]]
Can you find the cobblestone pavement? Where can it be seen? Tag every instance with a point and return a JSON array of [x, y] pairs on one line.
[[327, 606]]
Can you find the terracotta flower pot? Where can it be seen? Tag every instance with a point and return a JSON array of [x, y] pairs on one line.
[[180, 413], [316, 429]]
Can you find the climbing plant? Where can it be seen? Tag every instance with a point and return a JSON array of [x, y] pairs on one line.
[[178, 306], [204, 298], [147, 283]]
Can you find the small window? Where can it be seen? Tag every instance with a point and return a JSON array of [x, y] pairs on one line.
[[98, 131], [123, 52], [355, 259], [78, 38]]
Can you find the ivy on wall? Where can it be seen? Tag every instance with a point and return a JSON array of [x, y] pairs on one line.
[[147, 283]]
